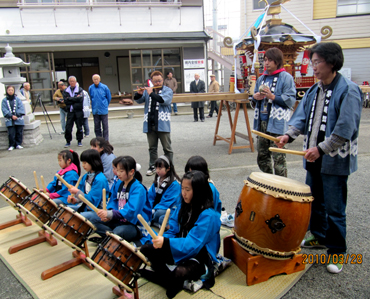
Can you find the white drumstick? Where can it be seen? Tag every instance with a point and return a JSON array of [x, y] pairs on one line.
[[147, 227], [164, 223]]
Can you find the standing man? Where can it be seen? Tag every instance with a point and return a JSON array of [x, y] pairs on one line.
[[73, 98], [329, 117], [171, 82], [25, 91], [157, 118], [213, 87], [58, 97], [100, 98], [274, 96], [197, 86]]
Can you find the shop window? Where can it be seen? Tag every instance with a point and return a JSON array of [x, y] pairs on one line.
[[353, 7]]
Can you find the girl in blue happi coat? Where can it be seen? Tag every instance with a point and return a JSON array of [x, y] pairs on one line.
[[165, 192], [199, 163], [130, 200], [92, 183], [70, 171], [191, 243]]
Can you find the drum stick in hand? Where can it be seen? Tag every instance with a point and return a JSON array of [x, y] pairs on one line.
[[36, 181], [63, 181], [77, 184], [84, 200], [164, 223], [265, 136], [285, 151], [104, 199], [147, 227], [43, 183]]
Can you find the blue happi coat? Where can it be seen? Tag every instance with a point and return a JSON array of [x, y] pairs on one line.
[[7, 113], [216, 198], [280, 108], [206, 232], [96, 193], [344, 113], [170, 198], [71, 177]]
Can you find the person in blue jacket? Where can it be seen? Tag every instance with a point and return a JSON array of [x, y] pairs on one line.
[[191, 243], [199, 163], [70, 171], [124, 206], [100, 98], [157, 117], [165, 192], [105, 150], [13, 112], [92, 183]]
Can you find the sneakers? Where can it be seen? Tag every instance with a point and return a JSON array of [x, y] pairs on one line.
[[79, 143], [223, 215], [312, 242], [334, 268], [67, 144], [11, 148], [228, 220], [150, 171], [86, 136], [19, 147]]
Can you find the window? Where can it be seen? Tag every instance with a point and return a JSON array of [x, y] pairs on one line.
[[258, 4], [353, 7]]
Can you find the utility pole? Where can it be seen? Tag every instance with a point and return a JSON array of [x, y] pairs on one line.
[[215, 38]]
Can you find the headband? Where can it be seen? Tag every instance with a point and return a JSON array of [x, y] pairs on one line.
[[138, 167], [165, 159]]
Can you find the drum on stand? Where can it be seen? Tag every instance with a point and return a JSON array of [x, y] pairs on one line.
[[39, 207], [118, 260], [14, 192], [70, 227], [272, 215]]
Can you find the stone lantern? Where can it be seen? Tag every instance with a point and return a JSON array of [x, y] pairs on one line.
[[12, 76]]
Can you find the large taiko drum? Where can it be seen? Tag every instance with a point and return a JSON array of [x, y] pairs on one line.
[[272, 215], [14, 192], [70, 227], [118, 260], [39, 207]]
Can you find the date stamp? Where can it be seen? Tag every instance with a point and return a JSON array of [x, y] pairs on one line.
[[355, 259]]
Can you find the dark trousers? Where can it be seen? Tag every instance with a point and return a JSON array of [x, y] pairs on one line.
[[15, 135], [76, 117], [101, 120], [213, 108], [201, 113]]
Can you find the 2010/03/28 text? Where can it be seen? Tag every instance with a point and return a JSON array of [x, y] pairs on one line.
[[333, 258]]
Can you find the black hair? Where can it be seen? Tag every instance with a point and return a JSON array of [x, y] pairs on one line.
[[197, 163], [276, 55], [331, 52], [202, 200], [169, 73], [6, 91], [73, 156], [102, 143], [92, 157], [171, 173], [128, 163]]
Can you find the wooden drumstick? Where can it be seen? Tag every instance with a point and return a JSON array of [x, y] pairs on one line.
[[63, 181], [79, 180], [164, 223], [265, 136], [147, 227], [104, 199], [92, 207], [43, 183], [142, 88], [285, 151], [36, 181]]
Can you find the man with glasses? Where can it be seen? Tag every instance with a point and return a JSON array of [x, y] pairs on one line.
[[157, 117], [274, 96], [329, 118]]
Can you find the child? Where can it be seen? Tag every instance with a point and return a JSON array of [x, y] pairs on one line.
[[13, 112], [165, 192], [70, 172], [191, 242], [124, 206], [105, 150], [198, 163], [92, 183]]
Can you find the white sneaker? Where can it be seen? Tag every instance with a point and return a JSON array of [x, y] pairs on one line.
[[19, 147], [230, 220], [11, 148], [223, 217]]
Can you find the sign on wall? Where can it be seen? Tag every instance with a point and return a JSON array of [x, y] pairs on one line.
[[189, 77], [194, 63]]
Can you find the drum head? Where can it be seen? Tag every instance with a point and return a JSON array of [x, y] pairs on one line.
[[78, 215]]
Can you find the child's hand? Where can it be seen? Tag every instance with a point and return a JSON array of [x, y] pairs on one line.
[[73, 190], [102, 215], [71, 199], [158, 242]]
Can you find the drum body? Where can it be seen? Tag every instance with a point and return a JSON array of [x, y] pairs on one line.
[[14, 191], [70, 226], [39, 207], [272, 215], [118, 259]]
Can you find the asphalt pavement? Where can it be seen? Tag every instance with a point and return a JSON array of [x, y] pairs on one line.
[[228, 173]]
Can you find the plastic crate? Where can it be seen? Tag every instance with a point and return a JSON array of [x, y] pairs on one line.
[[304, 81]]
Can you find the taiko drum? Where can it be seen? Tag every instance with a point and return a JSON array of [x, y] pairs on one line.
[[14, 191], [272, 215]]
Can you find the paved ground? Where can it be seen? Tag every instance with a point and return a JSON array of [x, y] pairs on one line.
[[228, 173]]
